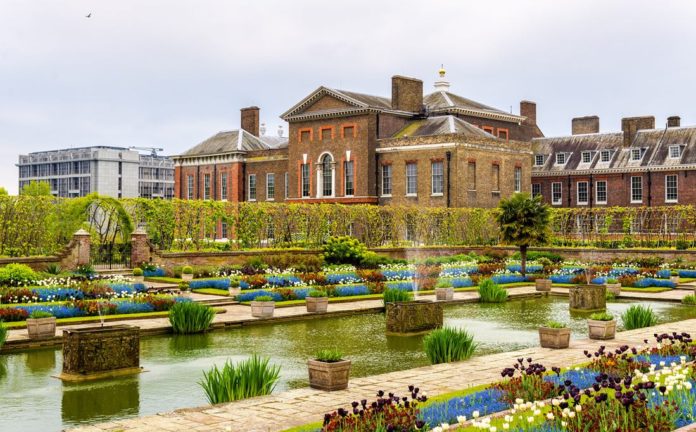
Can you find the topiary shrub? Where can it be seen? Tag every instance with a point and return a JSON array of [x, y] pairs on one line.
[[344, 250], [137, 271]]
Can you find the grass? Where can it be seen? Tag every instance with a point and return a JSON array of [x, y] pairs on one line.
[[329, 355], [649, 289], [448, 345], [3, 334], [212, 291], [190, 317], [391, 295], [249, 378], [490, 292], [638, 316], [163, 279], [689, 300]]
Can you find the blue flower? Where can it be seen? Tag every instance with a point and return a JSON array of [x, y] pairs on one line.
[[222, 284]]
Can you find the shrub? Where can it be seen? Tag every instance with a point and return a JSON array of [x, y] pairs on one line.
[[38, 314], [689, 300], [248, 378], [490, 292], [610, 296], [448, 345], [392, 295], [316, 294], [17, 275], [3, 334], [329, 356], [187, 270], [555, 325], [602, 316], [638, 316], [137, 271], [539, 255], [190, 317], [300, 262], [682, 244], [344, 250], [372, 260]]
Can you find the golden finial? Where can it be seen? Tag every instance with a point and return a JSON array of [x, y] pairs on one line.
[[442, 71]]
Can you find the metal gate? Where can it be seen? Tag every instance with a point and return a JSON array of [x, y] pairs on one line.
[[110, 256]]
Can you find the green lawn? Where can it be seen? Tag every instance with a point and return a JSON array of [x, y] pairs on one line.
[[212, 291]]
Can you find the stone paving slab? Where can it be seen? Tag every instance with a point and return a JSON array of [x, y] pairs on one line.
[[296, 407]]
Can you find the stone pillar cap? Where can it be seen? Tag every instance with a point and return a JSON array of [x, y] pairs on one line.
[[81, 232], [140, 231]]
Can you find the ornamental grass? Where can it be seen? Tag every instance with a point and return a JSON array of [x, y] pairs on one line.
[[190, 317], [448, 345], [3, 334], [248, 378], [490, 292], [393, 295], [638, 316]]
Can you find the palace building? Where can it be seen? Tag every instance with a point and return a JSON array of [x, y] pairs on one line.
[[437, 149]]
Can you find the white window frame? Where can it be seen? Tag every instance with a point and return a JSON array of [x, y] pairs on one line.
[[536, 186], [189, 187], [587, 192], [564, 156], [589, 157], [608, 153], [223, 186], [438, 180], [640, 154], [518, 179], [536, 160], [346, 164], [606, 192], [387, 168], [249, 182], [676, 187], [631, 190], [320, 176], [560, 193], [415, 182], [269, 196], [305, 178], [206, 186], [287, 185], [679, 151]]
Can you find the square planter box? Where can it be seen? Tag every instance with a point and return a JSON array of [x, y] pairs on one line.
[[234, 291], [674, 280], [417, 316], [601, 330], [328, 376], [317, 304], [554, 338], [261, 309], [41, 328], [444, 294], [186, 277], [138, 278], [543, 284], [614, 288]]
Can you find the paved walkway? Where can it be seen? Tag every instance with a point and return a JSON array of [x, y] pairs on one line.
[[296, 407]]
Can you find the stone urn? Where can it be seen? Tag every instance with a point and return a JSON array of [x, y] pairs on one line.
[[674, 280], [138, 278], [556, 338], [262, 309], [543, 285], [588, 297], [444, 294], [317, 304], [601, 330], [234, 291], [413, 316], [187, 277], [41, 328], [614, 288], [328, 376]]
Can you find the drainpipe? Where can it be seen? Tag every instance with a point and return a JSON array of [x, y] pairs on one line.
[[214, 194], [244, 187], [449, 159], [591, 189], [198, 181], [649, 187], [377, 175], [570, 198]]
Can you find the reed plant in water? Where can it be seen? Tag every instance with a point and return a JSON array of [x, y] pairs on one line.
[[638, 316], [248, 378], [392, 295], [490, 292], [447, 345], [190, 317]]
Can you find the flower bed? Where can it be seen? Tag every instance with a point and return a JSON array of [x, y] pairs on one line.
[[222, 284]]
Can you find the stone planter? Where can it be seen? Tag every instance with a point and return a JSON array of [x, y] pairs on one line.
[[317, 304], [674, 280], [614, 288], [185, 293], [543, 285], [234, 291], [138, 278], [328, 376], [588, 297], [262, 309], [100, 352], [186, 277], [41, 328], [444, 294], [554, 338], [601, 330], [413, 317]]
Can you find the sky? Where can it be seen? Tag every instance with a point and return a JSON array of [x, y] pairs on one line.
[[171, 73]]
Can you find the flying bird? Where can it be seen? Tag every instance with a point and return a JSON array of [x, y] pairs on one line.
[[89, 15]]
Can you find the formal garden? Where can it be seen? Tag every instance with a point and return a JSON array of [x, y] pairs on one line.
[[336, 307]]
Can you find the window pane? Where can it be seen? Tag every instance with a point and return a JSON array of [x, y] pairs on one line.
[[582, 193], [556, 193], [411, 178], [386, 180], [471, 175], [536, 189], [636, 189], [252, 186], [438, 177], [348, 170], [518, 179], [601, 188], [327, 175], [270, 186], [305, 180], [671, 193]]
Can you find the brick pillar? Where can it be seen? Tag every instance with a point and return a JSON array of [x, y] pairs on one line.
[[83, 244], [140, 248]]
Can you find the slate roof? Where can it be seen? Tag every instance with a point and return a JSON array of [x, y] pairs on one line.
[[235, 141], [653, 143], [444, 101], [440, 125]]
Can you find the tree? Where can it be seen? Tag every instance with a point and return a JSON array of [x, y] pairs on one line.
[[37, 188], [524, 221], [3, 191]]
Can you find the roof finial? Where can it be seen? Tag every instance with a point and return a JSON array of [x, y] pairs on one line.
[[442, 84]]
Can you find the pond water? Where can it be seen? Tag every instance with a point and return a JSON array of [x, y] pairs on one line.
[[33, 400]]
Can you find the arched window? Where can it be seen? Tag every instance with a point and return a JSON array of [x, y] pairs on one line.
[[327, 175]]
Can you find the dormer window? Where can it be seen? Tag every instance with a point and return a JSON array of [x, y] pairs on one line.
[[605, 156], [586, 157], [636, 154], [561, 158], [538, 160], [675, 151]]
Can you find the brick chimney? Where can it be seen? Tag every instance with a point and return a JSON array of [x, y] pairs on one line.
[[407, 94], [250, 120], [528, 109], [585, 125], [673, 121], [631, 125]]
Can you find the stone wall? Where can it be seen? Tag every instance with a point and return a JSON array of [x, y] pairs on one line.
[[75, 254]]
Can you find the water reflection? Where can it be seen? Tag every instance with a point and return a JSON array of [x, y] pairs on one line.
[[100, 400], [189, 344], [41, 360]]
